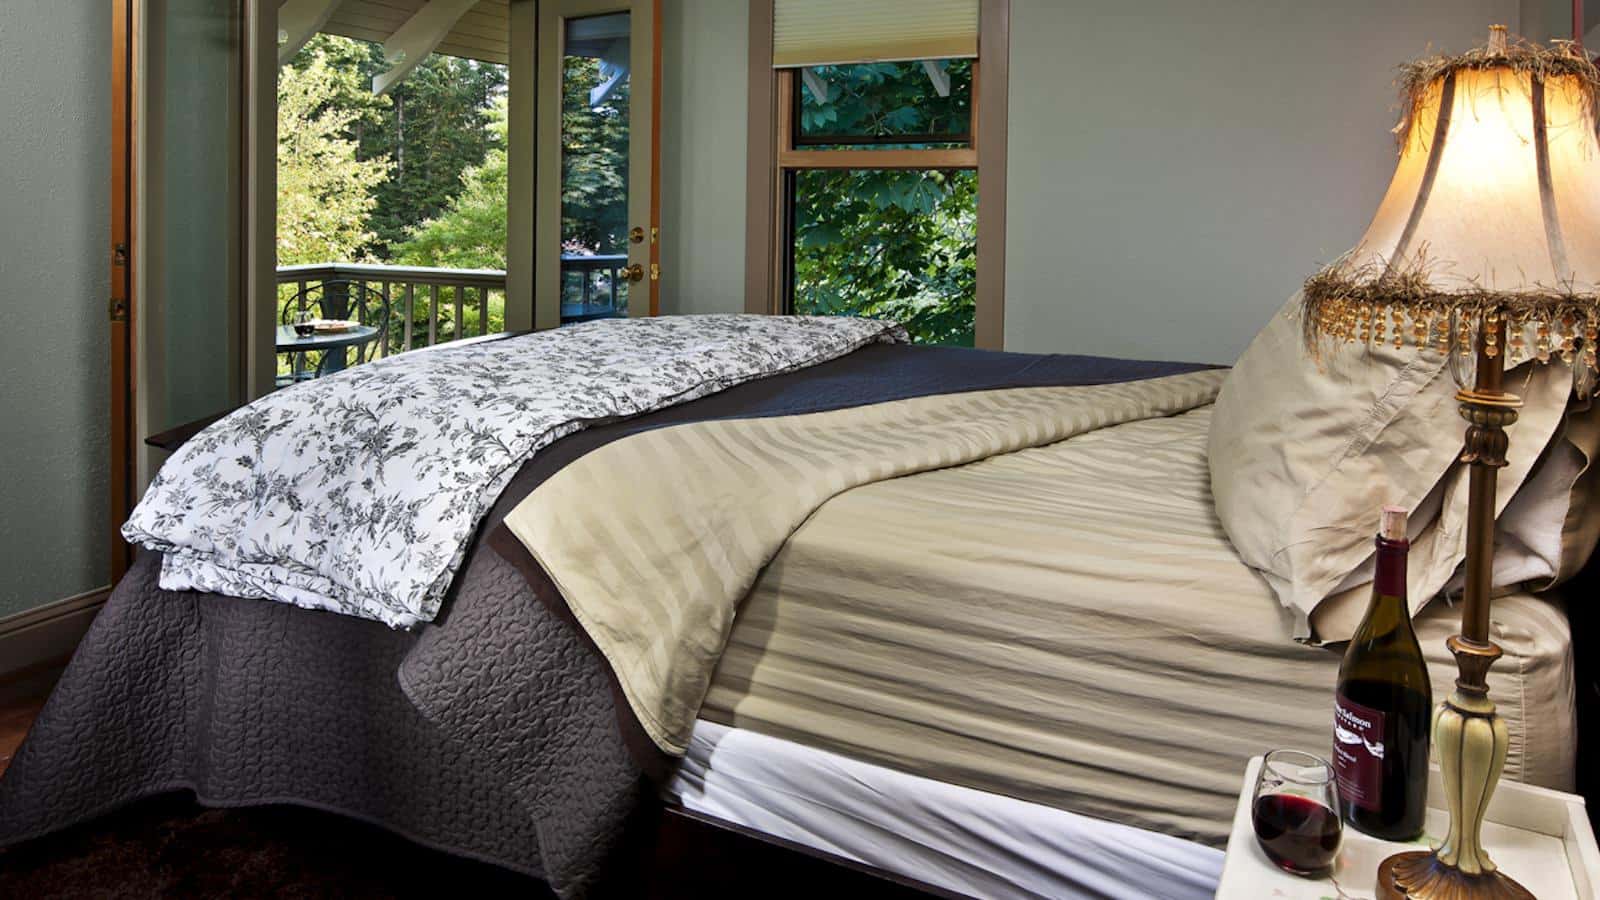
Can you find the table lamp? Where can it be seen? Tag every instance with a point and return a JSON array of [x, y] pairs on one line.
[[1485, 248]]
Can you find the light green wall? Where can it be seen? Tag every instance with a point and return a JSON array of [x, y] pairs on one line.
[[54, 227], [1541, 20], [1176, 168], [704, 92]]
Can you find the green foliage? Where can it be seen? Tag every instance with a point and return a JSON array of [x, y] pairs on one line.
[[471, 230], [887, 99], [889, 244], [434, 130], [325, 190], [884, 243], [426, 131], [470, 233]]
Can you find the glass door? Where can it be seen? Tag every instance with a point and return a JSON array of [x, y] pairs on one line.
[[597, 237], [190, 326]]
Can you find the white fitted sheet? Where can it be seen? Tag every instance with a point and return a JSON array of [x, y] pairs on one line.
[[965, 840]]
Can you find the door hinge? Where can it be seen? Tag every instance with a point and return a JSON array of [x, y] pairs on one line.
[[655, 234], [119, 255], [119, 310], [655, 272]]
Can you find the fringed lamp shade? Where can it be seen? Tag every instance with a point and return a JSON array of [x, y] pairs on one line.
[[1490, 230]]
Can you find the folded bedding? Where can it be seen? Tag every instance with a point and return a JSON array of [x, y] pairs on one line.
[[359, 493], [655, 569]]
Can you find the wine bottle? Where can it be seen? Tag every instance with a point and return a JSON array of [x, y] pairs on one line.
[[1384, 705]]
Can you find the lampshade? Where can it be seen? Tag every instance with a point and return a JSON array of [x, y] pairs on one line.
[[1493, 214]]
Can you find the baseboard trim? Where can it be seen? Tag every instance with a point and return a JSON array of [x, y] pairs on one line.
[[47, 635]]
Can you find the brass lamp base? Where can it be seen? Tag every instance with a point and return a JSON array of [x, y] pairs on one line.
[[1469, 738], [1420, 874]]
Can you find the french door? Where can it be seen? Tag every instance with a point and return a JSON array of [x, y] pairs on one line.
[[597, 237]]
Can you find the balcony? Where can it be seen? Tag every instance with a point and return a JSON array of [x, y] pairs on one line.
[[424, 306]]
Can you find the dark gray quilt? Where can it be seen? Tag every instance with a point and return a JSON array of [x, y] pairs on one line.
[[490, 733]]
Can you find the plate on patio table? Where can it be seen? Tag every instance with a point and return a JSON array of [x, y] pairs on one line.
[[332, 326]]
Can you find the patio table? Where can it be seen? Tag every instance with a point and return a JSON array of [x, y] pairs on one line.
[[289, 342]]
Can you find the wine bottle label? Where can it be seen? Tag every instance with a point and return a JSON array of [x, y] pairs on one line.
[[1358, 753]]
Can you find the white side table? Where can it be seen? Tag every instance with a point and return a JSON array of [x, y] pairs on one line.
[[1540, 837]]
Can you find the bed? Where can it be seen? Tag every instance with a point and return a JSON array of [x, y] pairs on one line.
[[495, 730]]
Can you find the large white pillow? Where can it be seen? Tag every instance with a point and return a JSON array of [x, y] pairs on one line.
[[1304, 452]]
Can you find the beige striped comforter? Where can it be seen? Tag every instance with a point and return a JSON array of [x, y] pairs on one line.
[[654, 540], [1068, 624]]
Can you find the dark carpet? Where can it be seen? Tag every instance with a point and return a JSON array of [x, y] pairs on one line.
[[170, 847]]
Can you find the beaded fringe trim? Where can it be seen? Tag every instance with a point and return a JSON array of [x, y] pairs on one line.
[[1372, 306]]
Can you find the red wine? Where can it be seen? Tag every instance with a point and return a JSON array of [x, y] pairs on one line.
[[1299, 834], [1384, 705]]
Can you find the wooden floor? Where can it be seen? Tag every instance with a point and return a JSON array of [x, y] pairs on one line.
[[20, 701]]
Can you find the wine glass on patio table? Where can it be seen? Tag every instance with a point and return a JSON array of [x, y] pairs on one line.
[[305, 323], [1295, 811]]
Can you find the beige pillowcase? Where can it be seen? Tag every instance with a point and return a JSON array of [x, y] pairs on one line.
[[1303, 456], [1580, 531]]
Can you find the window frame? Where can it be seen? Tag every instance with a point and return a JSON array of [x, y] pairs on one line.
[[774, 158]]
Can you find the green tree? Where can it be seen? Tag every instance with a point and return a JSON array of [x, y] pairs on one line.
[[428, 129], [470, 232], [432, 132], [325, 190], [886, 243]]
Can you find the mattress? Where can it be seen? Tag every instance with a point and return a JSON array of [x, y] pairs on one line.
[[967, 841], [1069, 626]]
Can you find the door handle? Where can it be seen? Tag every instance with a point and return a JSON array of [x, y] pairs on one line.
[[631, 274]]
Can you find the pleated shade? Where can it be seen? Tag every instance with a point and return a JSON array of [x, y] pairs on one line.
[[836, 32]]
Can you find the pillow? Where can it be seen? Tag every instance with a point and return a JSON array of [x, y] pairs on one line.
[[1304, 453], [1576, 475]]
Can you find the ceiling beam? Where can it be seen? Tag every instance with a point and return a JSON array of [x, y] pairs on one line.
[[938, 75], [414, 40], [298, 22], [815, 84]]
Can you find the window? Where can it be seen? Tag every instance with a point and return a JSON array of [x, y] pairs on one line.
[[873, 240], [875, 194]]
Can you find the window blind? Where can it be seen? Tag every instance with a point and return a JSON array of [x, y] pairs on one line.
[[834, 32]]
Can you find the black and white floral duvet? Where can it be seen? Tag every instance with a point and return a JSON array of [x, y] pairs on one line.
[[358, 493]]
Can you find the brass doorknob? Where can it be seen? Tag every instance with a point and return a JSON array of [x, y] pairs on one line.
[[636, 235], [631, 273]]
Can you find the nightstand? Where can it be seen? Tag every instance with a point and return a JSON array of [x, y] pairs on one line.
[[1538, 836]]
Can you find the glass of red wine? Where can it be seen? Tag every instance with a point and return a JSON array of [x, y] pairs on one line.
[[1295, 810], [305, 323]]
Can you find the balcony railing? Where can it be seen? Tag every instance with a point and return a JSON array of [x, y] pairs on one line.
[[427, 306]]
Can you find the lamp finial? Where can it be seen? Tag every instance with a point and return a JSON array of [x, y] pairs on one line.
[[1497, 40]]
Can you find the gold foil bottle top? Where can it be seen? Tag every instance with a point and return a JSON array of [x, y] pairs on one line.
[[1394, 523]]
